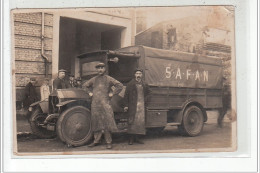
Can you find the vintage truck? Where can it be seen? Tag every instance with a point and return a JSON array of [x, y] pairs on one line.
[[184, 86]]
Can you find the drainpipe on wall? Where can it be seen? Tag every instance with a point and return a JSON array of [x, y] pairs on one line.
[[45, 58]]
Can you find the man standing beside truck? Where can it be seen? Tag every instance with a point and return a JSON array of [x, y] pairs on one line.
[[30, 93], [134, 100], [102, 115]]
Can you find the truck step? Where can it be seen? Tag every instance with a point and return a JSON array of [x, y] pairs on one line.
[[173, 124]]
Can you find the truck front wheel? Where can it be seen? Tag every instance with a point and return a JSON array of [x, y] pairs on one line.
[[192, 123], [74, 126]]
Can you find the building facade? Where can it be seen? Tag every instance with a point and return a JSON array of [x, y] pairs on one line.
[[46, 41], [29, 46], [210, 34]]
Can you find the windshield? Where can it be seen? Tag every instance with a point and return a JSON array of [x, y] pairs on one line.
[[89, 68], [122, 69], [88, 65]]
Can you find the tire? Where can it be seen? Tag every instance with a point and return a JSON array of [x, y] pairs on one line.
[[193, 121], [74, 126], [38, 117]]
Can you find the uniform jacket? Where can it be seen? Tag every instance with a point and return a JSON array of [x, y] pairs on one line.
[[60, 84]]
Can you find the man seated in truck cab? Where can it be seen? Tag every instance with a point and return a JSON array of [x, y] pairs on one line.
[[59, 82]]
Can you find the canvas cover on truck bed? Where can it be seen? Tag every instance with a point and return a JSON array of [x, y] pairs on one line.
[[168, 68]]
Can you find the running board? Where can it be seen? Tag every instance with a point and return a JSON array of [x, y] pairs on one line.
[[173, 124]]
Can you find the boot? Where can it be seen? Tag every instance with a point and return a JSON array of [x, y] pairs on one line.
[[93, 144], [109, 146], [131, 141], [137, 140]]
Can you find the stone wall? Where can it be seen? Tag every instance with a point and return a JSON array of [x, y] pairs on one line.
[[27, 47]]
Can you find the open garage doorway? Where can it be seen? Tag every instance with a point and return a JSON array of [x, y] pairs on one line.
[[79, 36]]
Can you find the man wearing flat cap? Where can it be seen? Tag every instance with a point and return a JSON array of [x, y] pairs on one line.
[[30, 93], [102, 115], [136, 95], [59, 82]]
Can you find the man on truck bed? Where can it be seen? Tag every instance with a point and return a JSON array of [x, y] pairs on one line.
[[135, 97], [102, 115]]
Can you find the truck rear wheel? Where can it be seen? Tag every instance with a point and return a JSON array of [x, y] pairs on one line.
[[74, 126], [193, 121], [37, 118]]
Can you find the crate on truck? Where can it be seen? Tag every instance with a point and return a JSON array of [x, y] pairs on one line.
[[184, 86]]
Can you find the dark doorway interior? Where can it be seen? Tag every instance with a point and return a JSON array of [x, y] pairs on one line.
[[77, 37], [111, 39]]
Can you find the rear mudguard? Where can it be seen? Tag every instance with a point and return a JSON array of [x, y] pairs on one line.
[[192, 102]]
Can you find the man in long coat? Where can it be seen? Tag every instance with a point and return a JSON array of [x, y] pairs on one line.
[[135, 98], [225, 102], [30, 94], [102, 115]]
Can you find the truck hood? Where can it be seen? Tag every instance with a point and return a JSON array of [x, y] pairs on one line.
[[71, 93]]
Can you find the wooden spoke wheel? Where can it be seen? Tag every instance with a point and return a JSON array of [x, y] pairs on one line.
[[193, 121], [74, 126]]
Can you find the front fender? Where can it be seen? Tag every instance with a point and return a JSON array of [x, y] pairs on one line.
[[36, 103], [65, 103], [43, 104]]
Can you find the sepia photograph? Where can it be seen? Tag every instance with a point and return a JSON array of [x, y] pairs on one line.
[[124, 80]]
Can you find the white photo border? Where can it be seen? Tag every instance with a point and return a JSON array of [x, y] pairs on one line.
[[243, 160]]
